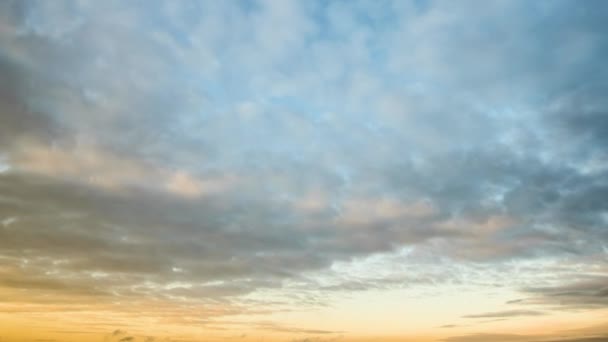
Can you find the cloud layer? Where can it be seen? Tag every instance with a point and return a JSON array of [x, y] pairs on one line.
[[204, 151]]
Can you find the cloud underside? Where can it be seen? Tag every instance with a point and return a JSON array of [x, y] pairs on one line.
[[150, 153]]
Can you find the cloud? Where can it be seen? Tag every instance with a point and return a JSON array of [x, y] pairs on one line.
[[582, 294], [449, 326], [513, 337], [203, 152], [492, 337], [589, 333], [317, 339], [279, 328], [120, 335], [508, 313], [585, 339]]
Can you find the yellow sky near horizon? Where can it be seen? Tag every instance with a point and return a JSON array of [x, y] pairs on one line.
[[30, 329], [363, 317]]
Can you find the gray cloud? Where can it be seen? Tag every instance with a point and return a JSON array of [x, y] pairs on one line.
[[507, 313], [582, 294]]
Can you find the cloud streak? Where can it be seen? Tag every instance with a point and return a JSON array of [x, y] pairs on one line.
[[503, 314]]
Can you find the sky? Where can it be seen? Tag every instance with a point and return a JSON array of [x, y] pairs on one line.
[[303, 171]]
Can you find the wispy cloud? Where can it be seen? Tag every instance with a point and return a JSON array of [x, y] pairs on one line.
[[508, 313]]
